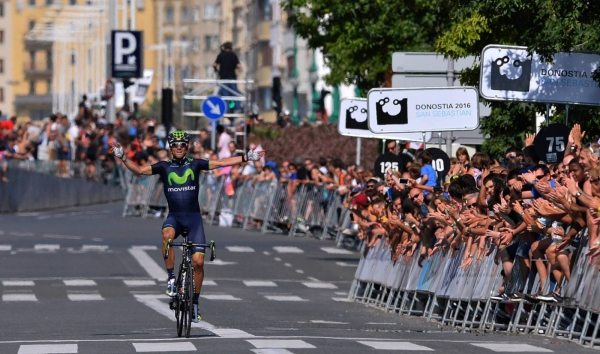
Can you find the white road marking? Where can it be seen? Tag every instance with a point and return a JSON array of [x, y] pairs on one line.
[[382, 323], [85, 297], [15, 233], [258, 283], [289, 265], [287, 249], [219, 262], [139, 282], [333, 250], [18, 283], [209, 283], [277, 259], [154, 270], [240, 249], [344, 264], [341, 299], [312, 278], [328, 322], [47, 348], [512, 348], [280, 344], [266, 253], [224, 297], [319, 285], [46, 247], [342, 293], [155, 303], [62, 237], [79, 282], [397, 346], [98, 248], [5, 247], [271, 351], [164, 347], [299, 271], [284, 298], [19, 297]]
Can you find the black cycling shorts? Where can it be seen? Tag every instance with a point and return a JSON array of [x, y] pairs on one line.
[[192, 222]]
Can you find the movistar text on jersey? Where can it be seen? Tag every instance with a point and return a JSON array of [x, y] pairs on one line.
[[181, 189]]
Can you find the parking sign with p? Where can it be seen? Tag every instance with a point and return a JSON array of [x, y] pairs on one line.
[[127, 55]]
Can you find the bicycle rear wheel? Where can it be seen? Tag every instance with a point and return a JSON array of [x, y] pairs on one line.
[[189, 291]]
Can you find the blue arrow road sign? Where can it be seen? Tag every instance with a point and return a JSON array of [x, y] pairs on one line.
[[213, 107]]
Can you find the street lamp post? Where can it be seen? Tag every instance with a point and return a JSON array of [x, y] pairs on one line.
[[294, 82], [314, 77]]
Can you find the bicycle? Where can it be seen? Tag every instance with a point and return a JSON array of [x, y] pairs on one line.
[[183, 301]]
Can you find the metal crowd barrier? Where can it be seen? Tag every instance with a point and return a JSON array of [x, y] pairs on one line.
[[440, 289]]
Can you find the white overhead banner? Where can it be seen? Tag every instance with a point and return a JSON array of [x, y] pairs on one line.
[[511, 73], [394, 110], [353, 122]]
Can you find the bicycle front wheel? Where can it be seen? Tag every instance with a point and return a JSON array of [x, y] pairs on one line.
[[189, 292], [180, 304]]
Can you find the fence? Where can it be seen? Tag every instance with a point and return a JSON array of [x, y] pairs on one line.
[[437, 289]]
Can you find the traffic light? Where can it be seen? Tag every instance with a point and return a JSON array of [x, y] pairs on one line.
[[231, 105]]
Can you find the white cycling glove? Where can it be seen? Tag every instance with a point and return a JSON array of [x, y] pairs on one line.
[[118, 151], [252, 155]]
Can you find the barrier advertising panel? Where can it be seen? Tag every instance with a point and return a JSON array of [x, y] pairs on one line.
[[423, 109], [353, 122], [512, 74]]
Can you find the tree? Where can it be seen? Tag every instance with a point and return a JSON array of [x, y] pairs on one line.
[[545, 27], [358, 37]]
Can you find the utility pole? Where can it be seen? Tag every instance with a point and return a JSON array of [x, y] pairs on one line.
[[112, 23]]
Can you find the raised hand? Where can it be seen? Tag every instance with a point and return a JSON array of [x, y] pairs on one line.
[[117, 150], [529, 139], [253, 155]]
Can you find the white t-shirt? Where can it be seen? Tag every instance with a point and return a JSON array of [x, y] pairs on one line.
[[223, 146]]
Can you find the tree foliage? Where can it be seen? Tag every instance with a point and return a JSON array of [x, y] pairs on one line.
[[358, 37]]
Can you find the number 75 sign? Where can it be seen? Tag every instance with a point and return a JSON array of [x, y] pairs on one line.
[[550, 143]]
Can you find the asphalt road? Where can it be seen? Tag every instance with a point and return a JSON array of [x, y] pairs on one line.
[[87, 280]]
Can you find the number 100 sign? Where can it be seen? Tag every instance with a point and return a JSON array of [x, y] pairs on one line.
[[550, 143]]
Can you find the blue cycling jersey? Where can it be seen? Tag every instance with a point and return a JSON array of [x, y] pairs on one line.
[[180, 180]]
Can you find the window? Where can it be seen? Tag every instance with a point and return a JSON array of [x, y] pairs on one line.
[[1, 9], [32, 87], [49, 59], [31, 24], [169, 15], [211, 42], [169, 43], [264, 10], [31, 59], [49, 2], [73, 57], [72, 2], [31, 2], [1, 66], [1, 94], [211, 11], [1, 36]]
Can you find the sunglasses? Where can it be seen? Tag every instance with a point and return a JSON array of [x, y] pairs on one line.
[[179, 145]]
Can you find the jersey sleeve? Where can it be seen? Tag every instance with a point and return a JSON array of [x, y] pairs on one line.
[[158, 167], [200, 165]]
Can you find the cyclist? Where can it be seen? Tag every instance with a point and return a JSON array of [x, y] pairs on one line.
[[180, 177]]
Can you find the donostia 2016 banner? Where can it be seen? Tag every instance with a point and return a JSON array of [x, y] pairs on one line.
[[511, 73]]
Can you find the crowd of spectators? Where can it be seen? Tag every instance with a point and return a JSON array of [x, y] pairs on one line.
[[517, 210]]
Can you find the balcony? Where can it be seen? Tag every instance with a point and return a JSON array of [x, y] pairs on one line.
[[262, 31], [34, 106], [37, 72]]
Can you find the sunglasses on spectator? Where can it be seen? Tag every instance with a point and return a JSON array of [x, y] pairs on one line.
[[370, 186], [179, 145]]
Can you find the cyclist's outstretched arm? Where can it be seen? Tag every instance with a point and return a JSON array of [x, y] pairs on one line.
[[118, 152], [251, 155]]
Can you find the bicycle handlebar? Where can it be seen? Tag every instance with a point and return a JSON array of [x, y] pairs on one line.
[[211, 245]]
